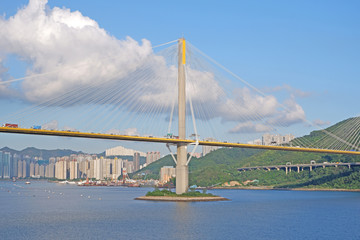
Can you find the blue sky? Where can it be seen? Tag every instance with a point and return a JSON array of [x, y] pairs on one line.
[[311, 47]]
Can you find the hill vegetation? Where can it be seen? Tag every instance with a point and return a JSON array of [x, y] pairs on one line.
[[219, 167]]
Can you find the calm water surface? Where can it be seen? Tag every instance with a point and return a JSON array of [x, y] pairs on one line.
[[45, 210]]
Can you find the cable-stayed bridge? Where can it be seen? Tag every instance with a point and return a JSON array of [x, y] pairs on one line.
[[180, 86]]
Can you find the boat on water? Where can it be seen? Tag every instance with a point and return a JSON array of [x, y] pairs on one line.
[[27, 182]]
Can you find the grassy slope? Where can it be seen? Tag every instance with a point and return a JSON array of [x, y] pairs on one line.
[[221, 166]]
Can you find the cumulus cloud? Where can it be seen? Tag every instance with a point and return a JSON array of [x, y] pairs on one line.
[[245, 105], [67, 51], [69, 44], [250, 127], [53, 125], [293, 114], [129, 131], [67, 128], [319, 122], [293, 91]]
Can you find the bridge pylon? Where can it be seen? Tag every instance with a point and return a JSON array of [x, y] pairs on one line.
[[182, 170]]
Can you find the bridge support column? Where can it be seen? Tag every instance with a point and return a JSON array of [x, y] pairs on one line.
[[182, 171], [286, 170], [298, 169]]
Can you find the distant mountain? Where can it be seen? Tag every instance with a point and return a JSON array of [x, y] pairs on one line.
[[45, 154]]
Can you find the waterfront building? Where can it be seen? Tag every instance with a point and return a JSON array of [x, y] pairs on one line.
[[152, 157], [73, 169], [52, 160], [37, 170], [42, 171], [136, 160], [108, 168], [19, 174], [25, 171], [5, 159], [121, 151], [276, 139], [129, 166], [83, 166], [256, 142], [15, 162], [32, 169], [117, 167], [208, 149], [1, 164], [60, 170], [196, 155], [98, 168], [50, 170], [166, 173]]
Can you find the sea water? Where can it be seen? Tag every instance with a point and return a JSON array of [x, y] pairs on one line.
[[43, 210]]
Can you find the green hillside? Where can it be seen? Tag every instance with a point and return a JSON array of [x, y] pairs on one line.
[[221, 166], [324, 138]]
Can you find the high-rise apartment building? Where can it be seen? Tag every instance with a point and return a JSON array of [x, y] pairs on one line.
[[32, 169], [276, 139], [37, 170], [73, 169], [5, 164], [14, 164], [136, 160], [121, 151], [25, 171], [152, 157], [208, 149], [60, 169], [166, 173], [98, 168]]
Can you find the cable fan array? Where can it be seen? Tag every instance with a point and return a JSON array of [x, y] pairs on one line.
[[144, 102]]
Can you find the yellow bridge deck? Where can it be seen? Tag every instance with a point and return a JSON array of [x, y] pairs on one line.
[[164, 140]]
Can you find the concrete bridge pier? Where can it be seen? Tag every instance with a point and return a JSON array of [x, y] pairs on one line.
[[182, 170]]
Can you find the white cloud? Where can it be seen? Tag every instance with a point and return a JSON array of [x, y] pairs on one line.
[[129, 131], [250, 127], [73, 52], [293, 114], [293, 91], [246, 105], [319, 122], [67, 128], [53, 125], [69, 44]]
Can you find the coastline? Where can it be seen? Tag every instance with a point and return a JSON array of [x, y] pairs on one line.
[[291, 189], [182, 199], [226, 188]]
